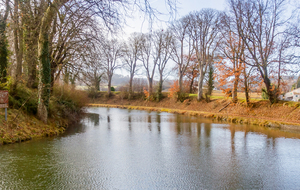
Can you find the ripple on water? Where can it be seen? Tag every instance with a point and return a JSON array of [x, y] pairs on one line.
[[130, 149]]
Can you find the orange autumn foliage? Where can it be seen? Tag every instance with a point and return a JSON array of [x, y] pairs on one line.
[[146, 93], [174, 89], [231, 65]]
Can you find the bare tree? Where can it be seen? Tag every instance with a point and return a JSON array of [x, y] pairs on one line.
[[162, 42], [232, 50], [203, 29], [92, 69], [260, 24], [109, 12], [130, 58], [70, 37], [182, 49], [112, 52], [145, 56]]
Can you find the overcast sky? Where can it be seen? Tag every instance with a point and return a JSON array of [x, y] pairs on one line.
[[138, 24]]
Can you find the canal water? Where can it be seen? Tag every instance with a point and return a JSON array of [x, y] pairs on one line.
[[130, 149]]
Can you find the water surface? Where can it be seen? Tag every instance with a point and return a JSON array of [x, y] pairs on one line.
[[131, 149]]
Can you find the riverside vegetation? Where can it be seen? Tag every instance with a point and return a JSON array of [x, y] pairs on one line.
[[65, 106], [281, 115]]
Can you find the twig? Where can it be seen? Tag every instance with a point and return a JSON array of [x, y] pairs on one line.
[[224, 106]]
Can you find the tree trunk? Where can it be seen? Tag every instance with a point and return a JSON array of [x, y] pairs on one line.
[[160, 85], [130, 87], [52, 79], [18, 43], [3, 51], [31, 31], [246, 92], [180, 80], [270, 91], [210, 82], [246, 85], [200, 83], [234, 90], [44, 59], [150, 83], [31, 61], [3, 44], [44, 79], [97, 86], [191, 86], [109, 85], [66, 76], [268, 85]]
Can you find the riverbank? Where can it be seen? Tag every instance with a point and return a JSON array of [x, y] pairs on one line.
[[21, 127], [65, 107], [282, 115]]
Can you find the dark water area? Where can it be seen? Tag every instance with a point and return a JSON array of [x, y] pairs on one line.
[[131, 149]]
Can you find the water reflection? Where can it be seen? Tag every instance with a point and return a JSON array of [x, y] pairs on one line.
[[93, 117], [121, 149]]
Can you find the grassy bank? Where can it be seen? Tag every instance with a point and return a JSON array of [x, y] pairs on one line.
[[65, 107], [282, 115]]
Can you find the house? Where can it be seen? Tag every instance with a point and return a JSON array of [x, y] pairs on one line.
[[294, 95]]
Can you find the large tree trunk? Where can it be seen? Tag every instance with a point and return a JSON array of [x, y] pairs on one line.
[[30, 23], [44, 59], [44, 78], [3, 44], [18, 43], [235, 87], [271, 92], [31, 60]]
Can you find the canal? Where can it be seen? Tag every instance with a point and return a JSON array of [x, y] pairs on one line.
[[131, 149]]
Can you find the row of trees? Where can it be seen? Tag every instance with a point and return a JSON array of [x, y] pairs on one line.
[[254, 42], [40, 39]]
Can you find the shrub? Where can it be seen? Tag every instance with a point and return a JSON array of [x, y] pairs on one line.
[[124, 94], [112, 89], [93, 93], [174, 92], [67, 102], [147, 95], [26, 97]]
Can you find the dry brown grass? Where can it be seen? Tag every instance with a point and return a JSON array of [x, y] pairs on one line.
[[25, 127], [241, 95]]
